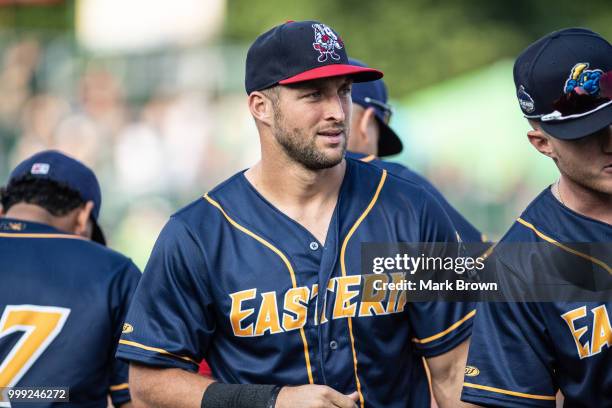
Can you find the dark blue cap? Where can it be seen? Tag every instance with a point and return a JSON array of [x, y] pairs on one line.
[[563, 81], [56, 166], [298, 51], [374, 95]]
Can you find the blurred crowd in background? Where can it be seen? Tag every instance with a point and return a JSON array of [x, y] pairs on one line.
[[152, 153], [162, 121]]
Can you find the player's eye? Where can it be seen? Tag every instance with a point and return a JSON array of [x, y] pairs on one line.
[[313, 95], [345, 90]]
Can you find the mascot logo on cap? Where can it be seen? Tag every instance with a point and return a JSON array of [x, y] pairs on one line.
[[525, 100], [583, 81], [326, 42]]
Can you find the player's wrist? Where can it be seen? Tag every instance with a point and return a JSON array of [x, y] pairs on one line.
[[274, 396], [220, 395]]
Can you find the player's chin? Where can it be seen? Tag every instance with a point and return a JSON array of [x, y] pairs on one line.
[[603, 183], [333, 154]]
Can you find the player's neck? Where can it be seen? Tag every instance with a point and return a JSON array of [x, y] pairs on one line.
[[290, 183], [34, 213], [307, 197], [585, 201]]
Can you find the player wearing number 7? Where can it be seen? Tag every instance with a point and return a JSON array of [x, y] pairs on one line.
[[63, 297]]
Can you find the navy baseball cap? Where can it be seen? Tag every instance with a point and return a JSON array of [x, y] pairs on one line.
[[373, 94], [564, 80], [56, 166], [298, 51]]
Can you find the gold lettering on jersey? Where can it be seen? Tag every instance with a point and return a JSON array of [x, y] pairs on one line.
[[601, 330], [375, 297], [237, 314], [401, 302], [330, 288], [396, 278], [296, 304], [267, 320], [257, 314], [343, 306], [313, 293]]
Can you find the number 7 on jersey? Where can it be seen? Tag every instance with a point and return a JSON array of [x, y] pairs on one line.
[[39, 325]]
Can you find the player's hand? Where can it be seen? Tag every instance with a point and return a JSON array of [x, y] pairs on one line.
[[315, 396]]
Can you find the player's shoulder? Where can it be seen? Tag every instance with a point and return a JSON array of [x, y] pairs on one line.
[[395, 196], [394, 168], [372, 171], [545, 218], [26, 237], [206, 213], [398, 175], [104, 259], [520, 230]]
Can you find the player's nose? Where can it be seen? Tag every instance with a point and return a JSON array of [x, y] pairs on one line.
[[335, 108]]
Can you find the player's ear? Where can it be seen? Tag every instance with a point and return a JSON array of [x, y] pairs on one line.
[[368, 120], [372, 128], [83, 226], [367, 126], [540, 140], [261, 107]]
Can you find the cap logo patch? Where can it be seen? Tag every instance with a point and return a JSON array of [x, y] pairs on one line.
[[326, 42], [40, 168], [583, 81], [525, 100]]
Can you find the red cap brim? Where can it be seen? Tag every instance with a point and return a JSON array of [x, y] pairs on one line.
[[359, 74]]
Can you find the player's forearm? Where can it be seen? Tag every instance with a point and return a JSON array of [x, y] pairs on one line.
[[447, 391], [166, 387], [447, 372]]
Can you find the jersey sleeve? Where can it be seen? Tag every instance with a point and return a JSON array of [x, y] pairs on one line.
[[439, 327], [170, 321], [509, 362], [122, 290]]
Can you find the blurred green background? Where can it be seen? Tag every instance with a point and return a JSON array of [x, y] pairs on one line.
[[150, 94]]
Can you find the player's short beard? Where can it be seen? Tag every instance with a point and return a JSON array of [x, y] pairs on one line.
[[301, 148], [583, 178]]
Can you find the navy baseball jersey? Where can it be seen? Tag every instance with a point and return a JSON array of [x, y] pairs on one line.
[[522, 353], [235, 281], [466, 230], [63, 300]]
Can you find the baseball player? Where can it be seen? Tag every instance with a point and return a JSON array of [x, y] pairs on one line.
[[63, 298], [261, 275], [372, 137], [522, 353]]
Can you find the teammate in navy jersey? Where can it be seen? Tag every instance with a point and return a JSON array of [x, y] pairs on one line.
[[521, 354], [63, 298], [261, 276], [372, 137]]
